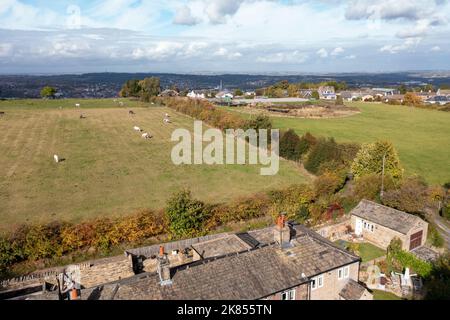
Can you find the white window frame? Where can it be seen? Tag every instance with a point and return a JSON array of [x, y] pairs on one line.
[[289, 294], [344, 273], [317, 282]]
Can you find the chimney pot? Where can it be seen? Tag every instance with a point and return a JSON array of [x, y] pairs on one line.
[[161, 251]]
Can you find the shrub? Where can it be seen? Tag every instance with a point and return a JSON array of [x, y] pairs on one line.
[[307, 141], [327, 184], [185, 214], [294, 201], [397, 256], [410, 197], [324, 150], [435, 237], [290, 145], [438, 282], [369, 187]]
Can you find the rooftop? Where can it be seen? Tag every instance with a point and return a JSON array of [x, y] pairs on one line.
[[388, 217], [352, 290], [234, 266]]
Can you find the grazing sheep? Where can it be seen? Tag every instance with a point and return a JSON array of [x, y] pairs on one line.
[[77, 105], [2, 113], [137, 129], [82, 116], [121, 103], [146, 136], [167, 121], [56, 158], [167, 115], [131, 112]]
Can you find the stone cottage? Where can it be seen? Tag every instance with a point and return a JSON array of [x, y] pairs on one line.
[[380, 224]]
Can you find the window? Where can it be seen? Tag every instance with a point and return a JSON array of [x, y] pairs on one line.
[[317, 282], [344, 272], [288, 295]]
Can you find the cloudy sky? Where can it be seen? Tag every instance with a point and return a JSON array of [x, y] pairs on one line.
[[199, 36]]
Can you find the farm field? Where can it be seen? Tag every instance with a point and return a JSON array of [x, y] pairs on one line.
[[109, 169], [422, 137]]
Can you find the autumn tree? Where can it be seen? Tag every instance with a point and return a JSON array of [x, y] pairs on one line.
[[369, 160], [411, 99], [48, 92]]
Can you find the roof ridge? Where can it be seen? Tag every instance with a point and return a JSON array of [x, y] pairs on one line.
[[384, 206]]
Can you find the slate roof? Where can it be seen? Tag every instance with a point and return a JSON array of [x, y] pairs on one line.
[[425, 253], [220, 246], [388, 217], [253, 274], [352, 290], [260, 270]]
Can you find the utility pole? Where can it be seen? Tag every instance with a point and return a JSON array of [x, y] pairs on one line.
[[382, 176]]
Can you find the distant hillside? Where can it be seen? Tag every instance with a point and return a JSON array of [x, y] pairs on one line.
[[107, 85]]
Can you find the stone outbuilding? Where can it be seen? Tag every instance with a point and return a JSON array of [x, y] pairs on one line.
[[380, 224]]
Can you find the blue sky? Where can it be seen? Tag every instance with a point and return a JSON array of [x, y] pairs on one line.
[[198, 36]]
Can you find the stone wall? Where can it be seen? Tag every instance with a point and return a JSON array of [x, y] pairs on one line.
[[381, 236], [334, 231], [332, 285], [92, 273]]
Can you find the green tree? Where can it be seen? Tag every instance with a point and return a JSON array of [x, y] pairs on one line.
[[185, 214], [238, 93], [411, 197], [130, 89], [290, 145], [403, 89], [325, 150], [369, 160], [48, 92], [150, 87], [315, 95]]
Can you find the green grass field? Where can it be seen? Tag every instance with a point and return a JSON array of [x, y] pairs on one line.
[[422, 137], [109, 169]]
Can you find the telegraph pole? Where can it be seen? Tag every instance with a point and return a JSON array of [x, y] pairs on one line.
[[382, 176]]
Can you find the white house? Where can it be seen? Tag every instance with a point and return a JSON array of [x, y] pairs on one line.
[[195, 95]]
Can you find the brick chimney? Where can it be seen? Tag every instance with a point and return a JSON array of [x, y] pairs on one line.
[[163, 268], [282, 232]]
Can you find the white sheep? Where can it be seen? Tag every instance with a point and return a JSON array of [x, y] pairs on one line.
[[77, 105], [56, 158], [167, 121], [121, 103], [137, 129], [146, 136], [167, 115]]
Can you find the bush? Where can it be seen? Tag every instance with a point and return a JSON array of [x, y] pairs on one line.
[[290, 145], [435, 237], [185, 215], [323, 151], [411, 197], [328, 183], [294, 201], [397, 256], [307, 141]]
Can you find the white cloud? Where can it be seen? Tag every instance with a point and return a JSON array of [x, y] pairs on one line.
[[337, 51], [435, 49], [323, 53], [5, 49], [408, 44], [218, 10], [350, 57], [225, 53], [389, 9], [284, 57], [184, 16]]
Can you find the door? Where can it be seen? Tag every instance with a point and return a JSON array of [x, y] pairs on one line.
[[415, 240], [358, 227]]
